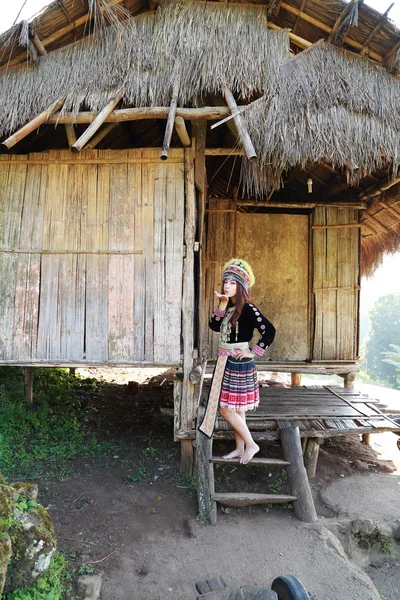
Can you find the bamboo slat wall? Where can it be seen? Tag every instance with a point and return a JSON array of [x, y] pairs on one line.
[[336, 283], [277, 247], [91, 257]]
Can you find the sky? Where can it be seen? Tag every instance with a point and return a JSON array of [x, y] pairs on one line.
[[10, 9], [386, 279]]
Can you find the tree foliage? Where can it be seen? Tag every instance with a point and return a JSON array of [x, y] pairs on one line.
[[383, 335]]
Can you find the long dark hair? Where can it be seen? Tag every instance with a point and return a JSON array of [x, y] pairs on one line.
[[241, 298]]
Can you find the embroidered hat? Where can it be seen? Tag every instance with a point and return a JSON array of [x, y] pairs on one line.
[[240, 271]]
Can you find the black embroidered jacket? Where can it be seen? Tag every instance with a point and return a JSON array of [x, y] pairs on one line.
[[250, 319]]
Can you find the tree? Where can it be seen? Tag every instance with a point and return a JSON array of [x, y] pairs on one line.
[[384, 332]]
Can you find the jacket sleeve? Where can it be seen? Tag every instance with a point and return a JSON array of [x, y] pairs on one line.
[[265, 328], [216, 319]]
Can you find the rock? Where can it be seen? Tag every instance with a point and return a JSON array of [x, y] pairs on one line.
[[91, 585], [29, 529], [5, 555], [360, 465]]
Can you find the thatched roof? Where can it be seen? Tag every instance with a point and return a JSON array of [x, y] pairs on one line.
[[330, 112]]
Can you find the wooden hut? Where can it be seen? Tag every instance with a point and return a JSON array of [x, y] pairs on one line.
[[119, 202]]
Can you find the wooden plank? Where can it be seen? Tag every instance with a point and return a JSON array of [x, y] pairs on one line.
[[275, 462], [96, 346], [28, 266], [139, 284], [121, 268], [247, 499], [160, 193], [148, 249], [319, 264], [204, 474]]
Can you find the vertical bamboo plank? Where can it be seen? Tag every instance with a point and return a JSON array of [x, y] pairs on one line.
[[139, 291], [160, 193], [148, 250], [330, 297], [54, 230], [121, 274], [96, 325], [28, 265], [12, 183]]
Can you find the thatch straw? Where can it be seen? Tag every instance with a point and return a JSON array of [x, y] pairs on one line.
[[332, 106], [206, 46]]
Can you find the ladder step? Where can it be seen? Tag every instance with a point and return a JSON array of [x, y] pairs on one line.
[[268, 462], [237, 499]]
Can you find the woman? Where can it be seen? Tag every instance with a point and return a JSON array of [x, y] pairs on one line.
[[235, 386]]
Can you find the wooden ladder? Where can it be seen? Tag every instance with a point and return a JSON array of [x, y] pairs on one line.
[[300, 496]]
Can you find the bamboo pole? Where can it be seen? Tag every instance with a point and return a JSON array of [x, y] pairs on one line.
[[97, 123], [71, 135], [182, 132], [101, 135], [376, 190], [208, 113], [34, 124], [241, 128], [323, 27], [377, 27], [38, 45], [341, 226], [170, 123]]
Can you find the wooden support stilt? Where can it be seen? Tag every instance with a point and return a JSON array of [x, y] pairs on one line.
[[295, 379], [311, 456], [97, 123], [182, 132], [188, 388], [366, 439], [34, 124], [304, 508], [349, 380], [101, 135], [170, 123], [72, 370], [28, 384], [240, 126], [71, 135], [205, 475]]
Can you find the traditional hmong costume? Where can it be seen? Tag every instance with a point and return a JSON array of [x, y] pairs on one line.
[[234, 383]]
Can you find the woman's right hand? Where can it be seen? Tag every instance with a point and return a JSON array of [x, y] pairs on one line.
[[222, 299]]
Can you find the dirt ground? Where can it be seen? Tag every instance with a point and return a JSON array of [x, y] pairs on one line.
[[133, 519]]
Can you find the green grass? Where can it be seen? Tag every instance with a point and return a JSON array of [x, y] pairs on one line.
[[40, 440], [53, 585]]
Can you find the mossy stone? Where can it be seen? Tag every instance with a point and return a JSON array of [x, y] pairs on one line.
[[5, 555]]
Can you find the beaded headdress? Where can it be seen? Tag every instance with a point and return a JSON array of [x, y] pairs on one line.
[[240, 271]]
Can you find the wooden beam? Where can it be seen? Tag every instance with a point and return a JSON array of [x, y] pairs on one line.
[[241, 128], [340, 226], [302, 8], [273, 9], [224, 152], [98, 122], [390, 209], [375, 30], [208, 113], [101, 135], [336, 35], [182, 132], [299, 41], [38, 44], [170, 123], [378, 189], [34, 124], [71, 135]]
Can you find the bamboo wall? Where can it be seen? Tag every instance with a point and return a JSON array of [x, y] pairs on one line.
[[277, 247], [91, 257], [336, 285]]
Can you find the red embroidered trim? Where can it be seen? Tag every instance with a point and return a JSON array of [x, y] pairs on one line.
[[219, 313], [258, 350]]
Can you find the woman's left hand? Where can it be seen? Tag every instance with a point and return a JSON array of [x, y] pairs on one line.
[[243, 353]]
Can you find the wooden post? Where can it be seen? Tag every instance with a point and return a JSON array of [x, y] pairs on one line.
[[295, 379], [188, 303], [28, 384], [241, 128], [205, 475], [182, 132], [34, 124], [311, 456], [366, 438], [97, 123], [101, 135], [170, 123], [72, 370], [303, 507], [349, 379], [71, 135]]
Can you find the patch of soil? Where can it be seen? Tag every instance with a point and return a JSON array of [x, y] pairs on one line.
[[109, 512]]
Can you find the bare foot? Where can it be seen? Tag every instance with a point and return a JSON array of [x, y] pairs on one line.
[[249, 453], [236, 453]]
